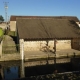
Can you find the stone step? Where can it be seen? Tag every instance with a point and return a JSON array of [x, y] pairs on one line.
[[9, 45], [10, 55], [7, 57], [9, 48], [8, 42], [7, 39]]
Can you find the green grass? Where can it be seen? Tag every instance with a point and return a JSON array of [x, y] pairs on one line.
[[1, 32], [12, 33]]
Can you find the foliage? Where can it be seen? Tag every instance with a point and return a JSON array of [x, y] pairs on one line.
[[1, 32], [1, 18]]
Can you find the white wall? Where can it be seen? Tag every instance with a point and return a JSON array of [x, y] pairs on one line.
[[12, 25], [63, 44], [37, 45], [78, 24]]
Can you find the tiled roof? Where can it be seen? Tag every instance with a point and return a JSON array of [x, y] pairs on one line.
[[47, 28], [13, 18]]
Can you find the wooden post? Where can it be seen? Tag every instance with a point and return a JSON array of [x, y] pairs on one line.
[[47, 42], [55, 46], [55, 52], [47, 50]]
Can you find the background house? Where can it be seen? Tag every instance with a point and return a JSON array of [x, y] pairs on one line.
[[35, 33]]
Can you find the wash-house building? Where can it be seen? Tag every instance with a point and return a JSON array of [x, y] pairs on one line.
[[42, 34]]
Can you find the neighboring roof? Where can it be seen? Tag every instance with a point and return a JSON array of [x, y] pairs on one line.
[[47, 29], [13, 18]]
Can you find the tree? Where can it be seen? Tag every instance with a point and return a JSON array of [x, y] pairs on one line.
[[1, 18]]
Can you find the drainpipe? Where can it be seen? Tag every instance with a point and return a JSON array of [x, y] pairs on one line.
[[55, 52]]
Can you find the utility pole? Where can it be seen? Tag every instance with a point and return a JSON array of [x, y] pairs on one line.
[[6, 7]]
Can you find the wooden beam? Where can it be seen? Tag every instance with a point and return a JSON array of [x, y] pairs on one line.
[[55, 52]]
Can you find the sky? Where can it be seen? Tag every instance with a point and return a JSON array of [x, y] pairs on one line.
[[41, 8]]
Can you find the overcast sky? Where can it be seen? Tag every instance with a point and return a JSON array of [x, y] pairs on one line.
[[41, 7]]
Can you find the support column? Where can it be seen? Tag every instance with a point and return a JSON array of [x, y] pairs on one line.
[[22, 57], [47, 42], [22, 49], [47, 49], [55, 46], [22, 52], [55, 52]]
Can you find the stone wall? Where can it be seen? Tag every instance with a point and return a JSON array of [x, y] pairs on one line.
[[76, 44], [63, 44], [12, 25], [38, 45]]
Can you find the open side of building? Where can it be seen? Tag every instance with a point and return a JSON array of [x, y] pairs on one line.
[[47, 34]]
